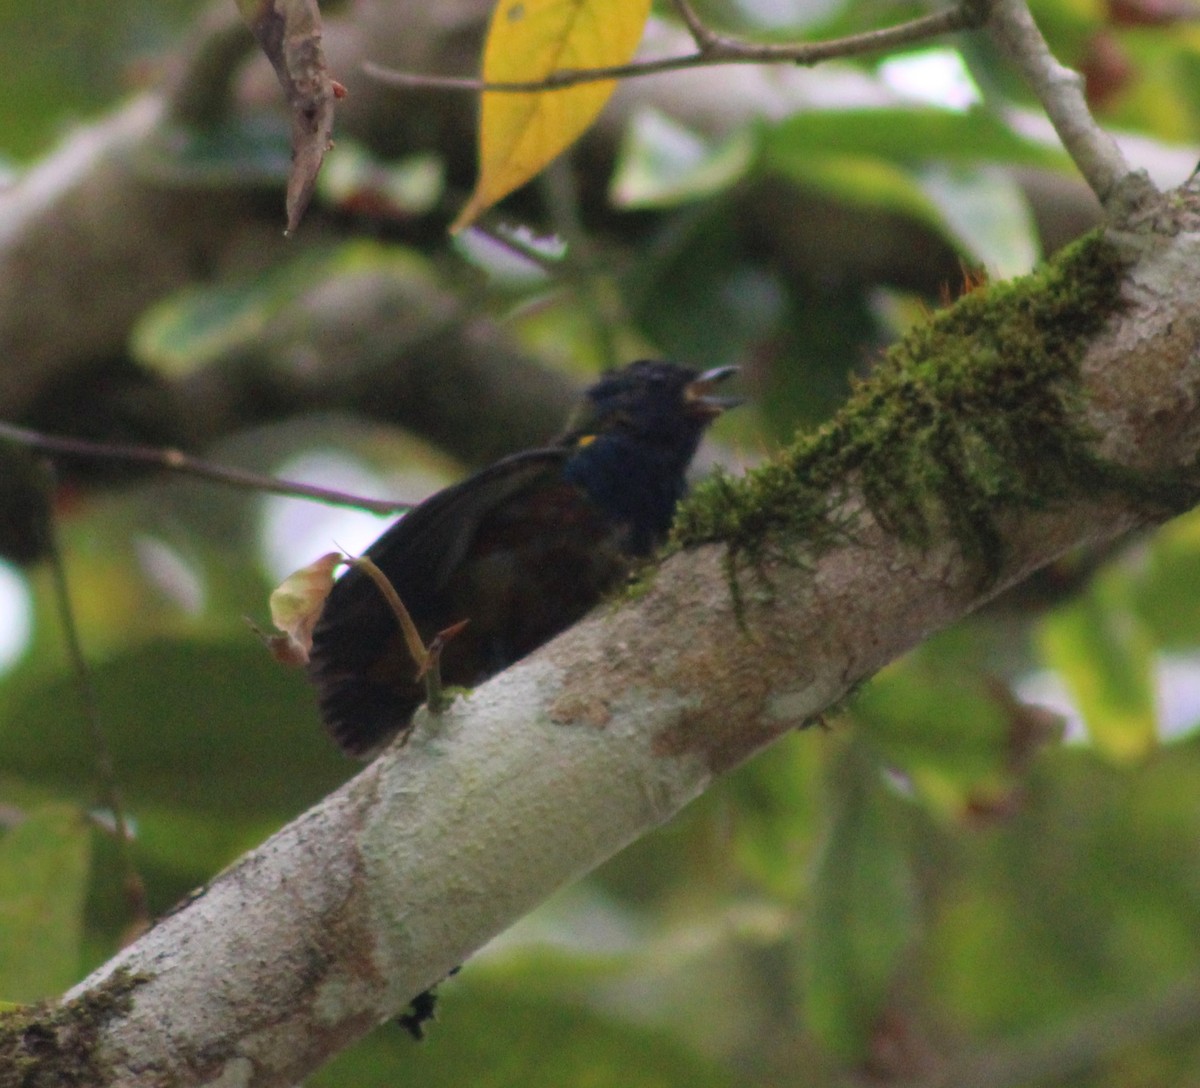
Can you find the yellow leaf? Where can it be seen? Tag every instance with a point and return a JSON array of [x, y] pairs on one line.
[[527, 41]]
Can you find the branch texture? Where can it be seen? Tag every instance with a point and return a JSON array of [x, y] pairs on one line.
[[115, 219], [336, 922]]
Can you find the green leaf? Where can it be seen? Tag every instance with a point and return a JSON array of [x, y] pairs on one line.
[[944, 730], [1166, 599], [899, 160], [490, 1035], [982, 211], [44, 863], [46, 98], [913, 135], [862, 180], [776, 801], [354, 180], [662, 163], [217, 728], [200, 325], [697, 300], [864, 909], [1088, 898], [1106, 657], [241, 151], [986, 213]]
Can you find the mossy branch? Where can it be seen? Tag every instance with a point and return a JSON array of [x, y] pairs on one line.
[[611, 728], [975, 414], [56, 1044]]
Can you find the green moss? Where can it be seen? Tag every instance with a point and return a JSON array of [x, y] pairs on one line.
[[55, 1045], [973, 414]]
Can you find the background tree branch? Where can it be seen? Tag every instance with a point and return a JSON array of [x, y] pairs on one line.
[[1061, 92], [713, 50], [75, 286], [336, 922], [930, 891]]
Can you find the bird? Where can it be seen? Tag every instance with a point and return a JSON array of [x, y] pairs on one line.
[[521, 550]]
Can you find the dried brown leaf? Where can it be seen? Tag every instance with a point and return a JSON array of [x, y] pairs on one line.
[[296, 606], [289, 33]]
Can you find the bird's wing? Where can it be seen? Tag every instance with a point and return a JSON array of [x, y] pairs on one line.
[[357, 632], [433, 538], [421, 550]]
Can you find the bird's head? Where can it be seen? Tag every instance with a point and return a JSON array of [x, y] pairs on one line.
[[662, 403]]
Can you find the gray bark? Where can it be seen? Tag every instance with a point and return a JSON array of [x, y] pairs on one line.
[[336, 922]]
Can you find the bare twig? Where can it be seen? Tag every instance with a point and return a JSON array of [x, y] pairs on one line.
[[714, 49], [177, 461], [701, 35], [603, 734], [1061, 93]]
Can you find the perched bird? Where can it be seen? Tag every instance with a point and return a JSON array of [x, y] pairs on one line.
[[521, 550]]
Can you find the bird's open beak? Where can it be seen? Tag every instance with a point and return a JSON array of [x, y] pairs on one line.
[[700, 398]]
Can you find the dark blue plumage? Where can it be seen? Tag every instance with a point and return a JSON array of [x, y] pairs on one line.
[[522, 550]]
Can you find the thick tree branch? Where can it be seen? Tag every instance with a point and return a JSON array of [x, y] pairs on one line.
[[337, 921]]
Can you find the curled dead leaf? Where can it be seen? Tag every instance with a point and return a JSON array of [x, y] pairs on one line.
[[289, 33], [296, 605]]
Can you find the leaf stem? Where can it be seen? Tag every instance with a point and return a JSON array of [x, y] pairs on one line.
[[427, 658], [412, 637]]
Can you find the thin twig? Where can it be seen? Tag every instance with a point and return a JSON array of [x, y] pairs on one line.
[[701, 35], [1061, 93], [177, 461], [106, 774], [717, 50], [417, 649]]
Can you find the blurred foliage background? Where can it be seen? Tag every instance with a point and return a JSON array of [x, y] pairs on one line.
[[985, 870]]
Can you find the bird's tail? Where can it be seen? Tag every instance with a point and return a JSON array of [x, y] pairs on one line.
[[363, 716]]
